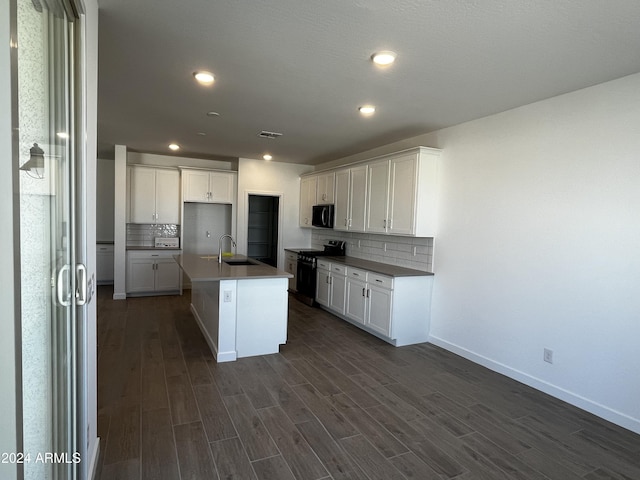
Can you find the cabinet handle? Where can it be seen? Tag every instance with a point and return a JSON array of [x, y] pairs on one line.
[[346, 223], [349, 223], [391, 223], [356, 274], [368, 293], [379, 281], [384, 223], [363, 289]]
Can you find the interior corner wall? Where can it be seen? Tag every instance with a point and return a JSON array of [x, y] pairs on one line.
[[537, 245], [272, 178]]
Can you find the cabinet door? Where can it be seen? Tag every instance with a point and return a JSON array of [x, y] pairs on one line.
[[325, 189], [402, 195], [358, 199], [378, 315], [140, 275], [341, 209], [307, 200], [323, 287], [291, 266], [221, 187], [355, 304], [195, 185], [377, 197], [167, 275], [104, 264], [142, 195], [338, 293], [167, 196]]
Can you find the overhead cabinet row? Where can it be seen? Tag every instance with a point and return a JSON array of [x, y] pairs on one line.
[[154, 192], [394, 194]]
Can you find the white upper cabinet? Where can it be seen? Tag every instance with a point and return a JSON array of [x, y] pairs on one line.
[[154, 195], [307, 199], [325, 188], [350, 199], [204, 186], [394, 194], [341, 209], [401, 193]]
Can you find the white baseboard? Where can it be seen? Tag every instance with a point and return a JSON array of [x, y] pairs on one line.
[[119, 296], [574, 399]]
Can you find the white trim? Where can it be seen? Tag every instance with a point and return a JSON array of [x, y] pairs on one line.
[[574, 399]]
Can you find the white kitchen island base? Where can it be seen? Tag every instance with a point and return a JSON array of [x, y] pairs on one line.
[[241, 317]]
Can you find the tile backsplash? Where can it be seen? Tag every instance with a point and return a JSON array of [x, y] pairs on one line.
[[143, 235], [399, 250]]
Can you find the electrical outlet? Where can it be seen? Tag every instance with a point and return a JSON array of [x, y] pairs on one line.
[[548, 355], [227, 295]]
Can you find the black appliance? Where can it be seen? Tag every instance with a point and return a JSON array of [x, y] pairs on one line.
[[306, 274], [322, 216]]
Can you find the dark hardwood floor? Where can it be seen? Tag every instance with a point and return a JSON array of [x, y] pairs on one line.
[[335, 403]]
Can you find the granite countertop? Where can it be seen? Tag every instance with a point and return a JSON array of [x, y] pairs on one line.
[[377, 267], [205, 268]]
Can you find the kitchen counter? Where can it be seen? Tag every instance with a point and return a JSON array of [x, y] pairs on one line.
[[138, 247], [377, 267], [241, 309], [205, 268]]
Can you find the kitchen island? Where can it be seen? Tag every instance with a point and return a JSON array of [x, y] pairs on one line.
[[239, 304]]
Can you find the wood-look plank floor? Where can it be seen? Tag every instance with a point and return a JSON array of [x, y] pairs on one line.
[[335, 403]]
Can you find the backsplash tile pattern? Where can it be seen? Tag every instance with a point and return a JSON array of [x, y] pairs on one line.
[[399, 250], [143, 235]]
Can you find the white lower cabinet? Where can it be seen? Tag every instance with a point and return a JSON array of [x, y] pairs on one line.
[[151, 272], [331, 286], [291, 266], [104, 264], [396, 309]]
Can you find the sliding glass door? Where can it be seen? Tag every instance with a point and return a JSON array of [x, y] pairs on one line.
[[53, 279]]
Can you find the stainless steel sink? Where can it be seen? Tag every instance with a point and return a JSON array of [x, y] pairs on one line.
[[239, 262]]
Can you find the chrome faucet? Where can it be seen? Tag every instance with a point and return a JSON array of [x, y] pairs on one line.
[[233, 243]]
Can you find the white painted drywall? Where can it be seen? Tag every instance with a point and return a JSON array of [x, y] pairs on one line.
[[104, 199], [91, 115], [119, 224], [277, 179], [537, 245], [176, 161]]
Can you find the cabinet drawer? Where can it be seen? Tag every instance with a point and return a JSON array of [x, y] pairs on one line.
[[381, 280], [323, 264], [291, 256], [357, 273], [338, 269]]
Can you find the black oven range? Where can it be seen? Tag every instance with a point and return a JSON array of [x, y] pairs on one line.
[[306, 273]]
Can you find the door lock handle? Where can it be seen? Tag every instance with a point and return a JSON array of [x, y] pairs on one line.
[[63, 298], [81, 284]]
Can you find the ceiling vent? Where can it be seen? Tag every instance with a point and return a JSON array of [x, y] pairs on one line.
[[271, 135]]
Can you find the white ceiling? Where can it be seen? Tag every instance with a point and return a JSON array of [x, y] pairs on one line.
[[303, 67]]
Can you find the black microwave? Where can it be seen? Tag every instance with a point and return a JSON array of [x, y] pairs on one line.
[[322, 216]]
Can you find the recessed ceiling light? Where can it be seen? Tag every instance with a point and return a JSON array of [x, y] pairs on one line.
[[384, 58], [174, 146], [267, 157], [213, 114], [204, 78], [367, 109]]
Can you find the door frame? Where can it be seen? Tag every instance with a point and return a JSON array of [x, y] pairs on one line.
[[243, 230]]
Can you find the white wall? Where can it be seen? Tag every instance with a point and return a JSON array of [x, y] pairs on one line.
[[538, 245], [277, 179], [91, 59], [176, 161], [104, 199]]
